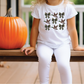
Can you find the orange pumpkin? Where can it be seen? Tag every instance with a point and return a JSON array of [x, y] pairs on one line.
[[13, 32]]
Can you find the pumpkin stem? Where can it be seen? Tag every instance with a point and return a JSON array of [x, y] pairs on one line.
[[8, 14]]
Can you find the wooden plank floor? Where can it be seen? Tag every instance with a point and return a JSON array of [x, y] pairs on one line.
[[27, 73]]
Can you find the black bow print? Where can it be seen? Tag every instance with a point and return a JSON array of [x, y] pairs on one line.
[[48, 21], [55, 27], [47, 15], [61, 26], [47, 27], [54, 20], [55, 15], [61, 15]]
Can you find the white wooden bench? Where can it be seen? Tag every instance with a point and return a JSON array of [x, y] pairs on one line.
[[16, 55]]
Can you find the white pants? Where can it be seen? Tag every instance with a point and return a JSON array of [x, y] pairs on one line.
[[62, 55]]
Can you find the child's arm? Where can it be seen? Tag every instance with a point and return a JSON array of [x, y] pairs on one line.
[[73, 34], [33, 37], [34, 32]]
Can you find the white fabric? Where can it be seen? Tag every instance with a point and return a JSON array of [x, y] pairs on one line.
[[53, 28], [62, 55]]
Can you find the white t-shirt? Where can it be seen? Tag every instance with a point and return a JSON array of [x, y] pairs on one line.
[[53, 23]]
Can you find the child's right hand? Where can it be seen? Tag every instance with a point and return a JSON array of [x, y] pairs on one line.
[[28, 50]]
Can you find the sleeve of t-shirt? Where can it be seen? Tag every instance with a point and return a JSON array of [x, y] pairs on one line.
[[36, 12], [70, 11]]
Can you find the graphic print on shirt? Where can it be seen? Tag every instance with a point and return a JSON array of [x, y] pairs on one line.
[[61, 15], [47, 15], [55, 27], [56, 24], [62, 21], [48, 21], [47, 27], [61, 26], [55, 15], [54, 20]]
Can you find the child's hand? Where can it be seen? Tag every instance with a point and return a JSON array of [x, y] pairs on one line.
[[28, 50], [78, 48]]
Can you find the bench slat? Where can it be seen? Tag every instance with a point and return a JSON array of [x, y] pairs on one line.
[[16, 55]]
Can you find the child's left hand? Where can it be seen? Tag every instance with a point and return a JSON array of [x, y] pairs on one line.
[[78, 48]]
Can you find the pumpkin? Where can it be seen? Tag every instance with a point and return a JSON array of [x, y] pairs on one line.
[[13, 32]]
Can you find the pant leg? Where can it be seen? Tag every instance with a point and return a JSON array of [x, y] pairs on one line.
[[62, 55], [44, 54]]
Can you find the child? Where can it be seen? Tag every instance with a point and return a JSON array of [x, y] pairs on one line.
[[53, 26]]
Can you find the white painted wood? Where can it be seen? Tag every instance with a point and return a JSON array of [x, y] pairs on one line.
[[27, 73], [20, 10], [13, 6], [21, 72], [81, 64], [0, 10], [3, 2], [22, 2], [75, 69], [79, 8], [27, 22], [81, 28], [9, 72], [3, 7]]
